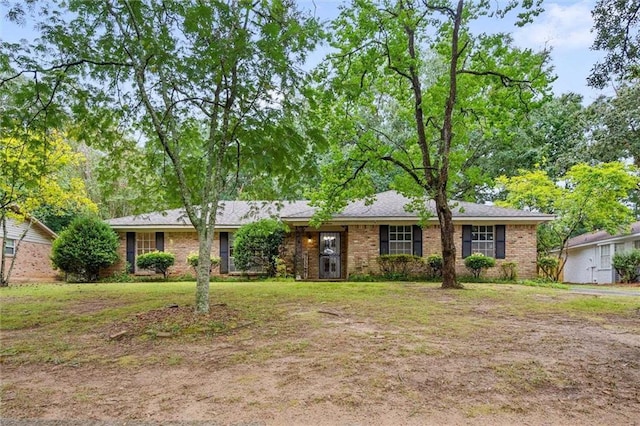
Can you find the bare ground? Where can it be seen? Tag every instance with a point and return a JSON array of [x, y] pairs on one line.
[[334, 364]]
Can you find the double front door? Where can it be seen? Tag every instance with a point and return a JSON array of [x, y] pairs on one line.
[[330, 255]]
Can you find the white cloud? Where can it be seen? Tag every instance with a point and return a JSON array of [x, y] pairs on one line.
[[563, 27]]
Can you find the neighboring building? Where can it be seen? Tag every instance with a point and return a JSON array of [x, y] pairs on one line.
[[589, 255], [349, 243], [31, 256]]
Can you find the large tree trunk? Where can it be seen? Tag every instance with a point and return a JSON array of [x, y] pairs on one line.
[[449, 279]]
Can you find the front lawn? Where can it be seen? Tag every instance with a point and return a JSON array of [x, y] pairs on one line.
[[300, 353]]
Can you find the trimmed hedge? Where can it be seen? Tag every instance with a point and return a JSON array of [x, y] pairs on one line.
[[157, 260]]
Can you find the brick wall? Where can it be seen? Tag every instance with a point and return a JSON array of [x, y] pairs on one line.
[[32, 263], [178, 243], [520, 248], [360, 248]]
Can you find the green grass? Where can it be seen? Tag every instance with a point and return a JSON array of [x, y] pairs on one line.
[[65, 323]]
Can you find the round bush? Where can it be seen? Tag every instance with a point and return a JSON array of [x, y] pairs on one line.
[[158, 260], [478, 262], [85, 247]]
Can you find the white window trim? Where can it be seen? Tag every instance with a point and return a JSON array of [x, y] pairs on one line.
[[604, 266], [475, 229]]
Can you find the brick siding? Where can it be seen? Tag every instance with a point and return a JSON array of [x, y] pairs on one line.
[[33, 263], [360, 248]]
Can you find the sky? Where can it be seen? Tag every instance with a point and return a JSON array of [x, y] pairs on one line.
[[565, 26]]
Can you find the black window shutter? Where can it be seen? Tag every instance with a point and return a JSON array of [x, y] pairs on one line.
[[224, 252], [501, 238], [417, 241], [384, 239], [466, 240], [131, 252], [160, 241]]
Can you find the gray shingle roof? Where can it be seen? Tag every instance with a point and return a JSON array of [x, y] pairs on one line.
[[388, 204], [598, 236], [391, 204]]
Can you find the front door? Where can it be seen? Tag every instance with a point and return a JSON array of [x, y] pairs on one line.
[[329, 255]]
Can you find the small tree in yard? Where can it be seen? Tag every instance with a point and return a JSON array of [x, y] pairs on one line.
[[626, 265], [86, 246], [157, 260], [257, 245], [478, 262]]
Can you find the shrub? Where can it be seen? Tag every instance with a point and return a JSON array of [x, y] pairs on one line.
[[435, 262], [86, 246], [192, 260], [626, 265], [399, 266], [478, 262], [158, 260], [509, 271], [257, 246], [281, 267], [549, 267]]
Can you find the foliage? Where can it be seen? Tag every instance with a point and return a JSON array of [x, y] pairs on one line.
[[33, 175], [405, 91], [509, 271], [549, 267], [434, 262], [192, 260], [85, 247], [616, 125], [157, 260], [213, 89], [257, 245], [627, 265], [478, 262], [281, 267], [617, 28], [400, 266], [586, 198]]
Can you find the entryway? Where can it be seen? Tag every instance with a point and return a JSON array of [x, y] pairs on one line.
[[329, 245]]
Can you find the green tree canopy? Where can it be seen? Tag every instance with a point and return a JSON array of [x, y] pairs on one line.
[[585, 199], [211, 90], [617, 28], [407, 89]]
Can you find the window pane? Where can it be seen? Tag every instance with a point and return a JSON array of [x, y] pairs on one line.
[[482, 240]]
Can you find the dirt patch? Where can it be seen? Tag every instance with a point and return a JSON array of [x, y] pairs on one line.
[[339, 364]]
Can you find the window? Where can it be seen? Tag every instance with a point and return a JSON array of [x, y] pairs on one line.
[[145, 242], [636, 244], [605, 257], [482, 240], [400, 239], [10, 247]]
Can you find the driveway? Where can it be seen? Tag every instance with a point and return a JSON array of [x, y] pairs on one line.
[[605, 291]]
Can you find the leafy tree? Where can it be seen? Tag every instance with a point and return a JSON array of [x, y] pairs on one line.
[[257, 245], [585, 199], [617, 28], [616, 125], [32, 175], [212, 88], [85, 247], [157, 260], [408, 87]]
